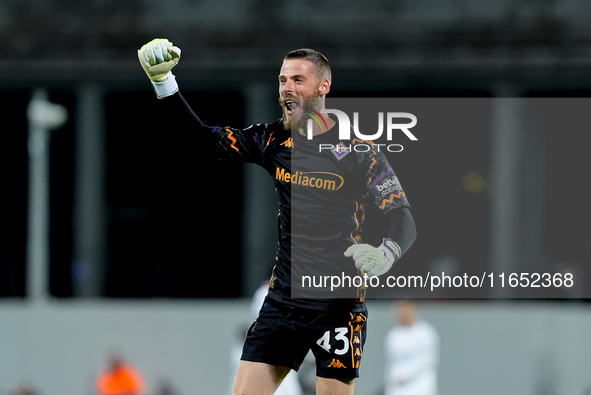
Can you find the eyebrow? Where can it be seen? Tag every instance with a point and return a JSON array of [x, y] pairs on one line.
[[293, 76]]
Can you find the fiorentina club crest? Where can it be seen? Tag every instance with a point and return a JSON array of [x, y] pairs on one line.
[[340, 151]]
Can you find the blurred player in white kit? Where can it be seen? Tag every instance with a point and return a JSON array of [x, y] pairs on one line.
[[412, 354]]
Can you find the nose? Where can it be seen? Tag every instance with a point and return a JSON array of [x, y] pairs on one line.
[[288, 87]]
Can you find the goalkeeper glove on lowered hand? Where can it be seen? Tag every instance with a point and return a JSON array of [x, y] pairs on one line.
[[157, 58], [374, 261]]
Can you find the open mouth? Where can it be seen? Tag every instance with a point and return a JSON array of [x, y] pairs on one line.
[[291, 106]]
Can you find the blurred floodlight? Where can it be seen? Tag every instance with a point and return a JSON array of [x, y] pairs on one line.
[[474, 182], [44, 114]]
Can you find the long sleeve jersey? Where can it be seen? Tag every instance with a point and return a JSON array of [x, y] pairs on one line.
[[322, 195]]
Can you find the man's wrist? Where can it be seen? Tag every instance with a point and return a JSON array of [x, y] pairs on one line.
[[392, 252], [166, 88]]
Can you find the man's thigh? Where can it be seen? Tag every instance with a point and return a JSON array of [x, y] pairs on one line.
[[256, 378], [326, 386]]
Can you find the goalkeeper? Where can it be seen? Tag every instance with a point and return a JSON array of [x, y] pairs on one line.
[[322, 196]]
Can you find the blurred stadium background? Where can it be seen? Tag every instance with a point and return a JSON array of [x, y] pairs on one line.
[[140, 219]]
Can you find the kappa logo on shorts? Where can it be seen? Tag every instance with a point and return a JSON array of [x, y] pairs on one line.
[[335, 363]]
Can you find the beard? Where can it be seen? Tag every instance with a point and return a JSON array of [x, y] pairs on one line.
[[298, 119]]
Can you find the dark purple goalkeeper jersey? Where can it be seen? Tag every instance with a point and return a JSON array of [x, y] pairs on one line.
[[322, 195]]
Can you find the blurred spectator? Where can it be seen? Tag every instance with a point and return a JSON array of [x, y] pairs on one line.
[[119, 378], [412, 354], [25, 389], [165, 388]]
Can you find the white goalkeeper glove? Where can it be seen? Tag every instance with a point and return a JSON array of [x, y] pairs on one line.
[[157, 58], [374, 261]]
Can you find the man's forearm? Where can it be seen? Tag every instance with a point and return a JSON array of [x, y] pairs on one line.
[[403, 231], [178, 97]]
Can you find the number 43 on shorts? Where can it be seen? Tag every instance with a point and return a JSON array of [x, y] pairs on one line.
[[340, 335]]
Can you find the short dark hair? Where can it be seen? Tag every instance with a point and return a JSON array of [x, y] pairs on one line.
[[322, 67]]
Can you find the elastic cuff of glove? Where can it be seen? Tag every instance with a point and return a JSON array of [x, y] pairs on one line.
[[393, 248], [391, 252], [166, 88]]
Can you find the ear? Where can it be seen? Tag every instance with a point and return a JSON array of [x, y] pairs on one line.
[[324, 87]]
